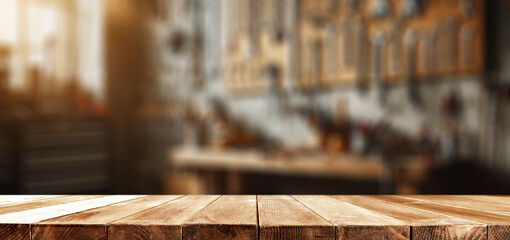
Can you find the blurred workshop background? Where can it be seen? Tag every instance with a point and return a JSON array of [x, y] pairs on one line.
[[255, 96]]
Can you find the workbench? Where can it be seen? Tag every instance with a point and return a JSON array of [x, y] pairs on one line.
[[254, 217], [204, 165], [344, 166]]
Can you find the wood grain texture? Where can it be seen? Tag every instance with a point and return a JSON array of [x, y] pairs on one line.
[[16, 225], [45, 202], [283, 217], [15, 199], [161, 222], [498, 222], [493, 204], [91, 224], [424, 224], [353, 222], [229, 217], [21, 231], [15, 231], [255, 217]]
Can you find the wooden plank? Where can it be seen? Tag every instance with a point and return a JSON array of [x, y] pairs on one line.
[[353, 222], [21, 231], [45, 202], [91, 224], [16, 225], [161, 222], [498, 224], [283, 217], [229, 217], [15, 199], [491, 204], [424, 224]]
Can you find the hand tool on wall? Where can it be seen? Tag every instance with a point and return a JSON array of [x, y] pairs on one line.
[[352, 40], [395, 64], [331, 51], [232, 23], [359, 45], [378, 43], [346, 42], [332, 5], [410, 39], [427, 52], [278, 17], [274, 18], [293, 43], [351, 5], [451, 30], [314, 63], [439, 49], [253, 28], [224, 25], [317, 64], [275, 95], [466, 46], [379, 8], [266, 14], [467, 7], [410, 8]]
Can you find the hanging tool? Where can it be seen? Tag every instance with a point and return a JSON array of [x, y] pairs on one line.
[[410, 40], [378, 43], [359, 44], [427, 52], [332, 6], [451, 44], [252, 31], [314, 66], [467, 7], [410, 8], [346, 42], [379, 8], [395, 64], [331, 51], [466, 46]]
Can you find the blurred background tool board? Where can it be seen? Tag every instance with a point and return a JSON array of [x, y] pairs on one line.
[[254, 96], [258, 217], [332, 42]]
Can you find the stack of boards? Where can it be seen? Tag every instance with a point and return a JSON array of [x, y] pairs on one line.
[[254, 217]]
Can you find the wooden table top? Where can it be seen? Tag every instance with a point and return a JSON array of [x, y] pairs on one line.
[[254, 217]]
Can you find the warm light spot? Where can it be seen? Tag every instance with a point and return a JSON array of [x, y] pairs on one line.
[[8, 21]]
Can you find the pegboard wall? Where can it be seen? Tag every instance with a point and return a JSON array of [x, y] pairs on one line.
[[326, 43]]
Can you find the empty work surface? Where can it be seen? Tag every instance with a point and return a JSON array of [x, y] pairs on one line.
[[254, 217]]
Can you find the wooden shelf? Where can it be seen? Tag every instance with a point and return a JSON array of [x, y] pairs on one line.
[[254, 217]]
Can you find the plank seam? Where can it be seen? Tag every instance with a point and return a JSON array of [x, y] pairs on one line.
[[31, 224], [184, 222], [144, 209], [30, 201], [258, 219], [366, 209], [427, 210], [334, 226], [453, 205]]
